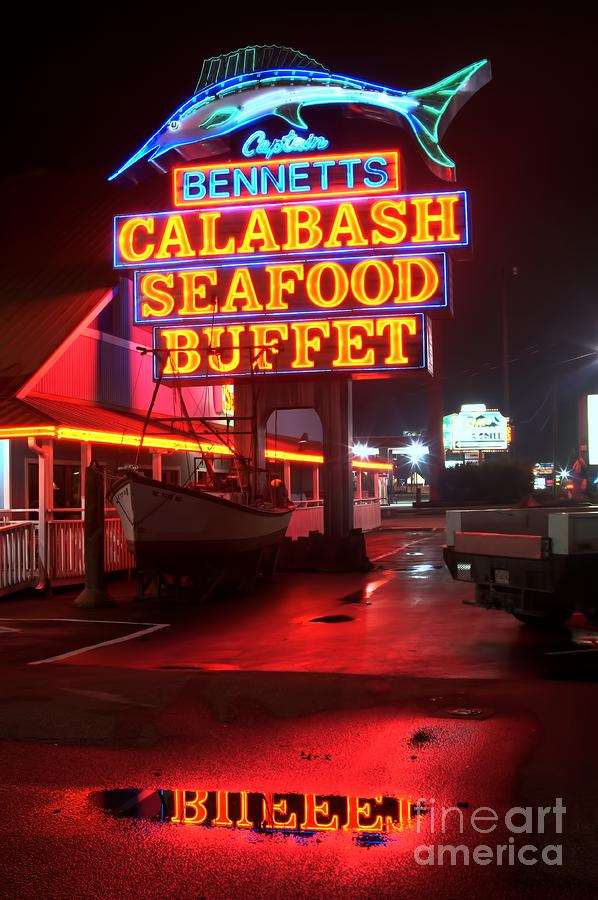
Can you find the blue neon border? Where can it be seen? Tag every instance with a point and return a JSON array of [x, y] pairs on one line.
[[361, 311], [231, 376], [247, 207]]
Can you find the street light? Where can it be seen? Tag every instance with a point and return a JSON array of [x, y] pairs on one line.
[[415, 452]]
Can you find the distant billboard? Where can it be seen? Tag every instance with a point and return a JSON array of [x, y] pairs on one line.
[[476, 428]]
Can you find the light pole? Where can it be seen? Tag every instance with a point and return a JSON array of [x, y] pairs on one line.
[[507, 277]]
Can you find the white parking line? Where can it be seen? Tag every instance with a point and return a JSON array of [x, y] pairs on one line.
[[120, 640]]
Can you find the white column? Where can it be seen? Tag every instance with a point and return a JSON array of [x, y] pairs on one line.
[[359, 487], [376, 486], [84, 462], [287, 475], [45, 458], [157, 465], [5, 502], [316, 483]]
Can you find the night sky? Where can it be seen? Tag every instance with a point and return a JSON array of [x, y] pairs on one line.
[[88, 93]]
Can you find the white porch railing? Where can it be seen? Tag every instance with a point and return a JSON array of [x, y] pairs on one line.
[[66, 549], [366, 514], [308, 515], [18, 559]]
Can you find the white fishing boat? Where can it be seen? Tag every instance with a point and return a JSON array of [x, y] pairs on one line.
[[179, 530]]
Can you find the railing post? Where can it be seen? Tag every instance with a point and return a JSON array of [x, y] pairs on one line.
[[45, 457], [315, 483]]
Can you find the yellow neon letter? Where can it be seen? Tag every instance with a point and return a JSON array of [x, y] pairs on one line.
[[214, 336], [127, 235], [396, 328], [222, 818], [391, 229], [209, 248], [174, 236], [383, 282], [148, 287], [302, 219], [241, 288], [346, 223], [279, 284], [263, 344], [258, 229], [405, 267], [197, 804], [445, 218], [348, 342], [193, 289], [314, 284], [313, 811], [181, 344], [304, 343], [357, 808]]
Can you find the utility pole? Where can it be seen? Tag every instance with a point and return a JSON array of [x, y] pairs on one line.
[[508, 275]]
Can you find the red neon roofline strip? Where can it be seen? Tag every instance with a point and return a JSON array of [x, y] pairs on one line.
[[64, 433]]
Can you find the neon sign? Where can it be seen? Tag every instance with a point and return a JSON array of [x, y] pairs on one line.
[[257, 144], [263, 86], [374, 344], [334, 175], [327, 286], [303, 813], [362, 224]]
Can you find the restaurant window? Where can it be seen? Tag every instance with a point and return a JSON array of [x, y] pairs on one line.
[[66, 481]]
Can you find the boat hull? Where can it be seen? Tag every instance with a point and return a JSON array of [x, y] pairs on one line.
[[179, 531]]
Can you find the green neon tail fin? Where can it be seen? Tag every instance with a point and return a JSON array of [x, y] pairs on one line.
[[436, 108]]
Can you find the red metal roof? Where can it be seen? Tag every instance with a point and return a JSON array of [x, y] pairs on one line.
[[56, 260]]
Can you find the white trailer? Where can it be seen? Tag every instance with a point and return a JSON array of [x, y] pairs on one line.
[[539, 564]]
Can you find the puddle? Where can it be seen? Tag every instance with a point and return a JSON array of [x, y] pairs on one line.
[[370, 821], [332, 620]]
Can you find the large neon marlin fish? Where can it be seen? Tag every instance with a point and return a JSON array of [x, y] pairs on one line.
[[240, 88]]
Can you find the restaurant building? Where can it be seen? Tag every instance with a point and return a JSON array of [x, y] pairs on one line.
[[76, 382]]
